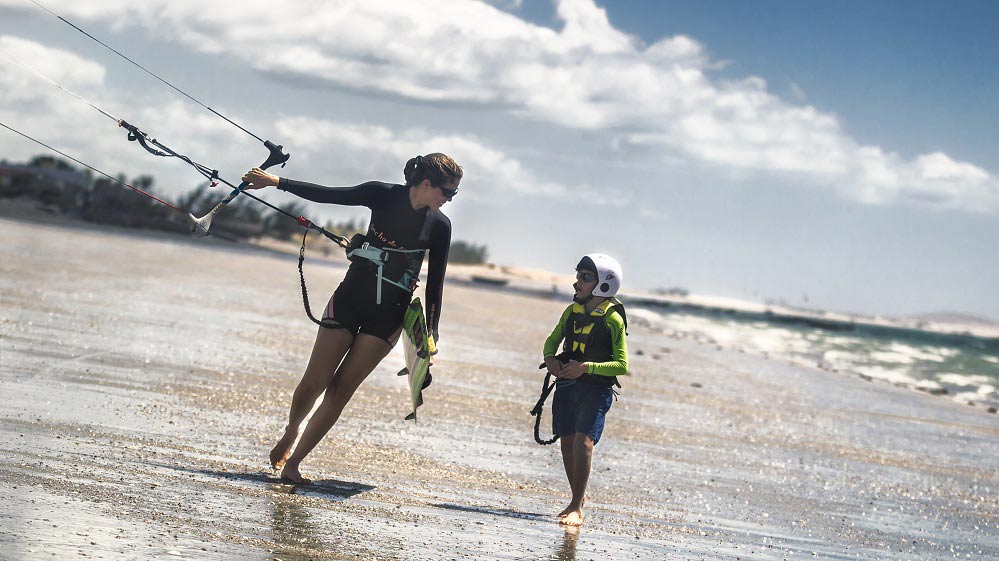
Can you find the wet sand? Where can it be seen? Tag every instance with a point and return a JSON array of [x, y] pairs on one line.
[[144, 378]]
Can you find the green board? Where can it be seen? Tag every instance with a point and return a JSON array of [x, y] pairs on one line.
[[414, 343]]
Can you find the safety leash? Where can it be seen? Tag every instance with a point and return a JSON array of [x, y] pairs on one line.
[[546, 390], [339, 240]]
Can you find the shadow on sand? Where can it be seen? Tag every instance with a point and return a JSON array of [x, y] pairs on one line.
[[334, 489], [330, 488], [496, 512]]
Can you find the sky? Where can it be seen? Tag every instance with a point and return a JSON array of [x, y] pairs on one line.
[[839, 156]]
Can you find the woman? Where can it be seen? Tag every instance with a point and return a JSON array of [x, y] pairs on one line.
[[366, 311]]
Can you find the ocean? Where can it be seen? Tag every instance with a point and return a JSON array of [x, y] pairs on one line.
[[962, 367]]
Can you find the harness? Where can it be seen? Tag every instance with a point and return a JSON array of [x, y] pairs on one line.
[[403, 264], [587, 339]]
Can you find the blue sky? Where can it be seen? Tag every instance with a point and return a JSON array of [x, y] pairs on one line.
[[839, 151], [892, 69]]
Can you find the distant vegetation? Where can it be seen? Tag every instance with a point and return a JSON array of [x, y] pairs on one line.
[[672, 291], [468, 253], [60, 187]]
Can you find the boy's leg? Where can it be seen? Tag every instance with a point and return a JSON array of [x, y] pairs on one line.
[[564, 413], [582, 456], [568, 443]]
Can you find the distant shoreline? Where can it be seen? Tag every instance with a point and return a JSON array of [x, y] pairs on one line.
[[545, 283]]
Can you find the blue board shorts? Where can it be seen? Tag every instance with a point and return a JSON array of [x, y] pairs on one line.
[[580, 407]]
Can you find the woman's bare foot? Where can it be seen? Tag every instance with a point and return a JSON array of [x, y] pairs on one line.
[[282, 450], [572, 519], [291, 474]]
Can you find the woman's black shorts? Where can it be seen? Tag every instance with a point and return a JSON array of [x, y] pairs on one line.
[[352, 306]]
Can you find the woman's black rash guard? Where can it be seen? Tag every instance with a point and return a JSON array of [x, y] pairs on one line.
[[395, 224]]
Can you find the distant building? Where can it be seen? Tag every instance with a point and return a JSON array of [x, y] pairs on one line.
[[56, 186], [44, 181]]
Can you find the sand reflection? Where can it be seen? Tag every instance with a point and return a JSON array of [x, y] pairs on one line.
[[566, 546]]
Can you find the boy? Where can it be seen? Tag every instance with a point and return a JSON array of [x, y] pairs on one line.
[[594, 355]]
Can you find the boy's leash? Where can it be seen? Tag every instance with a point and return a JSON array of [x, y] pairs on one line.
[[546, 390]]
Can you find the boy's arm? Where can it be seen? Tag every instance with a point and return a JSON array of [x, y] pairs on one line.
[[553, 341], [618, 364]]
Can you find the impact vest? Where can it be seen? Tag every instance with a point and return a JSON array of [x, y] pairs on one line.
[[588, 338]]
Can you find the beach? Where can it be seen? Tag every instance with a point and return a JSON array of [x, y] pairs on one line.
[[145, 377]]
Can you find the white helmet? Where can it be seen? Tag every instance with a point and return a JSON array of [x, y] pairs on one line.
[[608, 270]]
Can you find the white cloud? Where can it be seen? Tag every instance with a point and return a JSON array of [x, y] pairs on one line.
[[62, 66], [655, 214], [325, 151], [940, 167], [586, 75], [334, 149], [39, 109]]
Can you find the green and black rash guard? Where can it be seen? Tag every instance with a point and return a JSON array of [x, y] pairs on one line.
[[606, 350], [394, 224]]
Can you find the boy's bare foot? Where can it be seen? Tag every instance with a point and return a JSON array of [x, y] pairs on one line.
[[571, 508], [291, 474], [282, 450], [572, 519]]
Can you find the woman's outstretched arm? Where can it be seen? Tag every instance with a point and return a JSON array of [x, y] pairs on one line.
[[368, 194]]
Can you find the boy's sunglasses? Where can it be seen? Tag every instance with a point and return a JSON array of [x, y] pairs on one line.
[[586, 276], [449, 193]]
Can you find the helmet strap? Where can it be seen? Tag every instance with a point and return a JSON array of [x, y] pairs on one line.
[[584, 301]]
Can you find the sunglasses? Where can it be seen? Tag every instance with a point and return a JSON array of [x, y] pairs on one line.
[[586, 276], [449, 193]]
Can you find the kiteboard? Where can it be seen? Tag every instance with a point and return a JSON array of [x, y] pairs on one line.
[[417, 348]]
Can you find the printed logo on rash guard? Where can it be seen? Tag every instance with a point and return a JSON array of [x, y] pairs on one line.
[[381, 236]]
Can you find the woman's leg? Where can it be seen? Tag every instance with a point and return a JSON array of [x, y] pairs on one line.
[[328, 351], [366, 352]]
